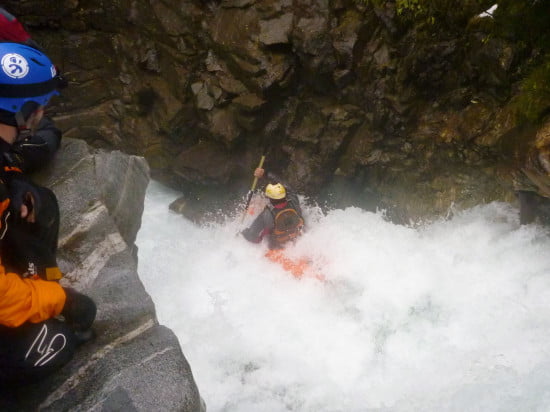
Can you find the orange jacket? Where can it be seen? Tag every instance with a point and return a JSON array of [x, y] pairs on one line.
[[32, 300]]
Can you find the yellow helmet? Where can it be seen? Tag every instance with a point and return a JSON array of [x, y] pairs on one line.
[[275, 191]]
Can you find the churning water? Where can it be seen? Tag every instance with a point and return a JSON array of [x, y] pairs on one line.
[[451, 316]]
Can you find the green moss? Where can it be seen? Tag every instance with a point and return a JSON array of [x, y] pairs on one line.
[[533, 100], [524, 21]]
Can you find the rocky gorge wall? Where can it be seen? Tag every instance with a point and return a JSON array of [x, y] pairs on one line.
[[345, 97]]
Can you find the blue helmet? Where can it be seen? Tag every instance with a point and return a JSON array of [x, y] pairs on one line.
[[26, 75]]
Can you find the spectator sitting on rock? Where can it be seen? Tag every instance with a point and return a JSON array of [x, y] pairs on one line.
[[28, 80], [33, 342], [28, 141]]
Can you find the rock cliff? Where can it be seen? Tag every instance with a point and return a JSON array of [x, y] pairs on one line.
[[134, 364], [366, 100]]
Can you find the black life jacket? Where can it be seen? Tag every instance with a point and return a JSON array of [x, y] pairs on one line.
[[287, 225]]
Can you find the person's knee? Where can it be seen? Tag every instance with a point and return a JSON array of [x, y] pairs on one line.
[[33, 351], [79, 310]]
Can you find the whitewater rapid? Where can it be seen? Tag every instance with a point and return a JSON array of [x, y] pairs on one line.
[[449, 316]]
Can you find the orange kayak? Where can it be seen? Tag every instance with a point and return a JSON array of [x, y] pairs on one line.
[[298, 268]]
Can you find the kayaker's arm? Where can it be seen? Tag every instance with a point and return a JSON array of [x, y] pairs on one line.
[[260, 227]]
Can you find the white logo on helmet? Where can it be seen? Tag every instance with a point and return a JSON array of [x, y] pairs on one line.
[[15, 65]]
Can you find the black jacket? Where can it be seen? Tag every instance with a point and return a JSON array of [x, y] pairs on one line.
[[37, 150], [31, 247]]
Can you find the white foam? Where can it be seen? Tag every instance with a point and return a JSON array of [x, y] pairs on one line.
[[452, 316]]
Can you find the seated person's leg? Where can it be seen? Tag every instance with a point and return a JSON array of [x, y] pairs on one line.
[[34, 350]]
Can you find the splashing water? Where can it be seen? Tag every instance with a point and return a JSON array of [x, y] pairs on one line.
[[451, 316]]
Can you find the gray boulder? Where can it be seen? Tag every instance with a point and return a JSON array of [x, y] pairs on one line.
[[134, 364]]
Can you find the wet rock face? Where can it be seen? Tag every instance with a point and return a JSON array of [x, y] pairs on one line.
[[532, 177], [133, 363], [324, 88]]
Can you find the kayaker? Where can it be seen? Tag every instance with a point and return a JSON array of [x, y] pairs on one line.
[[281, 220]]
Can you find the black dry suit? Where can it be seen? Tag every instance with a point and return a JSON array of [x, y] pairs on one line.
[[280, 222], [31, 248]]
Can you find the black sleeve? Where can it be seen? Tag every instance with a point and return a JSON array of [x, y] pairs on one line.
[[37, 150], [31, 248], [259, 227]]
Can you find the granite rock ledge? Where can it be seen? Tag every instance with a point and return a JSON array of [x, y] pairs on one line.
[[134, 364]]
